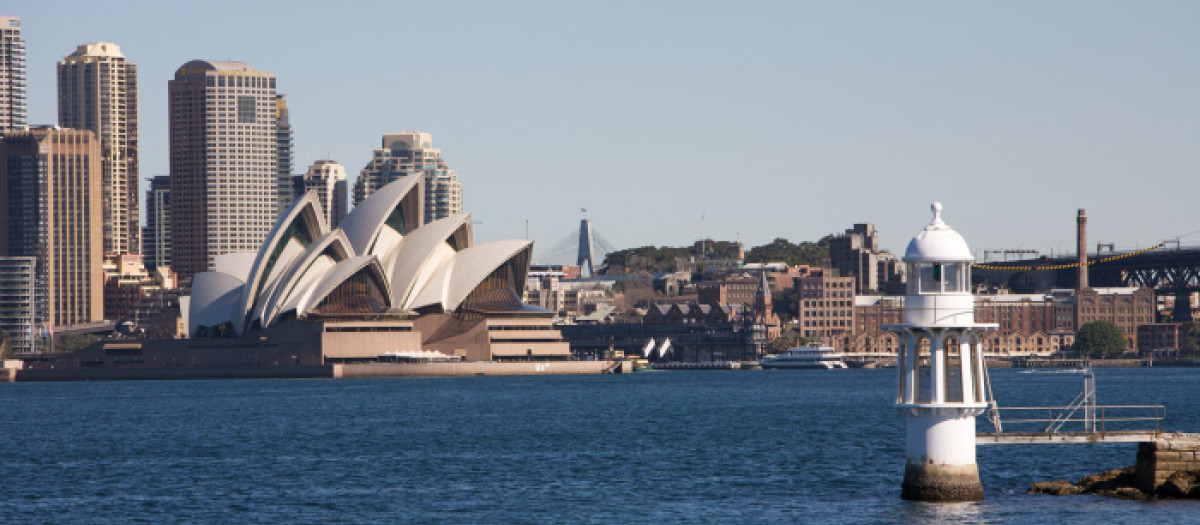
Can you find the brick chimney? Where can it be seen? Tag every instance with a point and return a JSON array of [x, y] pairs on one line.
[[1081, 237]]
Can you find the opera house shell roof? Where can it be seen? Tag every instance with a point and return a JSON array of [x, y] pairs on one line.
[[381, 260]]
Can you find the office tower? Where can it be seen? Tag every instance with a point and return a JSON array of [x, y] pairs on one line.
[[12, 75], [97, 91], [224, 159], [328, 179], [156, 236], [410, 154], [283, 137], [17, 301], [53, 213]]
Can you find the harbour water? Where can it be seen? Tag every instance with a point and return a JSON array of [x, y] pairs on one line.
[[654, 448]]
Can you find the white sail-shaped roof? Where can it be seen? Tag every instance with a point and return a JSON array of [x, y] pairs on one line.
[[455, 279], [423, 251], [322, 254], [299, 226], [335, 276], [367, 221], [236, 264], [214, 296]]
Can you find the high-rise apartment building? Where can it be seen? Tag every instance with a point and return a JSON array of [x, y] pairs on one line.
[[17, 301], [156, 236], [52, 210], [328, 179], [12, 75], [224, 162], [408, 154], [97, 91], [283, 169]]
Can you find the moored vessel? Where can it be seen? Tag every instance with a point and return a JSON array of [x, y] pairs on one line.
[[812, 356]]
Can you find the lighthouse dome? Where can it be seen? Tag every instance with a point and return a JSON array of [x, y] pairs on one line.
[[938, 242]]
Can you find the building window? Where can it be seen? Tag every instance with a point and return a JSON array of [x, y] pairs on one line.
[[245, 109]]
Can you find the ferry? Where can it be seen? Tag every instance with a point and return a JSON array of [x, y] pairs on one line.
[[811, 356]]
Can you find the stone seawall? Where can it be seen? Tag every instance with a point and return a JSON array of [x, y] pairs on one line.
[[1158, 460], [470, 369], [213, 372]]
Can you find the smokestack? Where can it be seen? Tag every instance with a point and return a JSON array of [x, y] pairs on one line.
[[1081, 237]]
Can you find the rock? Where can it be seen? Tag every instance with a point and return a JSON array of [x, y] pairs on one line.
[[1128, 493], [1107, 481], [1179, 485], [1059, 487]]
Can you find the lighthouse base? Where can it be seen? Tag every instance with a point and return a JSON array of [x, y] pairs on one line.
[[945, 483]]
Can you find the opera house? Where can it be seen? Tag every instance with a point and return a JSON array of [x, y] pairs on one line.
[[381, 289], [381, 282]]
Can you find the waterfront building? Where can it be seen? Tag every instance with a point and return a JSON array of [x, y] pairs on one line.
[[224, 162], [328, 179], [156, 235], [826, 309], [384, 281], [12, 76], [97, 91], [1127, 308], [411, 154], [17, 302], [53, 212], [284, 155]]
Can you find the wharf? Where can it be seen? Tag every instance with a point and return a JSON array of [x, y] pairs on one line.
[[1034, 438], [711, 365]]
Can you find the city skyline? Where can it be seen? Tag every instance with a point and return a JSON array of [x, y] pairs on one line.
[[767, 120]]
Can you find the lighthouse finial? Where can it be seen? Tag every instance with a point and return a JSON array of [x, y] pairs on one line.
[[937, 214]]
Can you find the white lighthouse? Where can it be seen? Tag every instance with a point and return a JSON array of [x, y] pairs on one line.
[[940, 365]]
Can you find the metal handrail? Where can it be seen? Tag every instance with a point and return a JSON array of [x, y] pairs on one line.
[[1103, 419]]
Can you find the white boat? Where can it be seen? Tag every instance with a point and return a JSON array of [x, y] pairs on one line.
[[811, 356]]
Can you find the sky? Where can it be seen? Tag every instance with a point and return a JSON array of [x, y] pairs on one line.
[[768, 119]]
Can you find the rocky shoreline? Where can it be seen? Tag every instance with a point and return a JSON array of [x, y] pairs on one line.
[[1122, 483]]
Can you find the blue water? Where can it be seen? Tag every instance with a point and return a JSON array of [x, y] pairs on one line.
[[653, 448]]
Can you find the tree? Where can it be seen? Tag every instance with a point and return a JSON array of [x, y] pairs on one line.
[[1100, 339], [1189, 338], [5, 344], [782, 250]]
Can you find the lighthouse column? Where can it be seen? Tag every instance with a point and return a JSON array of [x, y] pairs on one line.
[[939, 422]]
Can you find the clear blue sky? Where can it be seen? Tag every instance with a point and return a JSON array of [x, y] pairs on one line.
[[788, 119]]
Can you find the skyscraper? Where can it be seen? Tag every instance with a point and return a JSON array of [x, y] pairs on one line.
[[156, 236], [224, 161], [283, 137], [12, 75], [97, 91], [328, 179], [52, 211], [412, 154]]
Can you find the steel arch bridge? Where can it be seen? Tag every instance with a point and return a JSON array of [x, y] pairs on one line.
[[1169, 271]]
